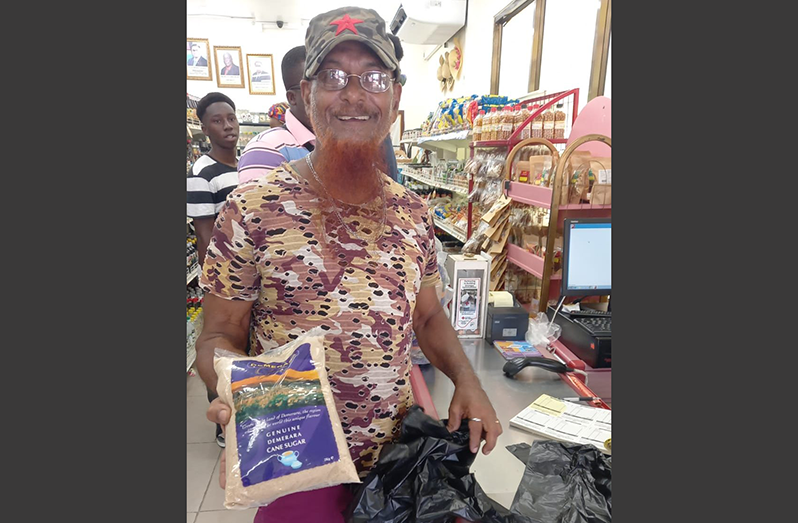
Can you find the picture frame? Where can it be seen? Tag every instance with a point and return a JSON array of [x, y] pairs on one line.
[[198, 59], [261, 73], [228, 74]]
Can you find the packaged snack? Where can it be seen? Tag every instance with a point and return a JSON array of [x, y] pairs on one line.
[[539, 169], [559, 122], [523, 114], [601, 188], [537, 123], [476, 134], [493, 120], [284, 434], [548, 124]]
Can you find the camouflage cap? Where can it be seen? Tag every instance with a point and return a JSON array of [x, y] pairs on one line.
[[348, 23]]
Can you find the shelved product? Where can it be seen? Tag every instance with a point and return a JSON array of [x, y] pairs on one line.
[[539, 105], [194, 296], [548, 124], [553, 200], [192, 258]]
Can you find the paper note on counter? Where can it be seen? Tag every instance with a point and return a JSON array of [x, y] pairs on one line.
[[566, 421]]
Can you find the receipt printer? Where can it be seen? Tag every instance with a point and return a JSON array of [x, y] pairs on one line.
[[506, 323]]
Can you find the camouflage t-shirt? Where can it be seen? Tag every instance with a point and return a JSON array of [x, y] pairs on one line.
[[268, 246]]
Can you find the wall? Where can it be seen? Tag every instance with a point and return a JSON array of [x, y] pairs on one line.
[[242, 33], [422, 93]]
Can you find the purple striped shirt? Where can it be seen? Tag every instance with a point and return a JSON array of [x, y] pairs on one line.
[[271, 148]]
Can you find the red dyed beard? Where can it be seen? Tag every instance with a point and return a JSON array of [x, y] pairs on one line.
[[347, 164]]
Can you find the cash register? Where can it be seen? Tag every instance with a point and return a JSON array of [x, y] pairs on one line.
[[586, 271]]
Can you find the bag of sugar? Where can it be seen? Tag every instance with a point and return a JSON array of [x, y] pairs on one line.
[[284, 434]]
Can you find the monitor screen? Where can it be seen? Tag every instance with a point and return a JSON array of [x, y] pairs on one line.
[[587, 257]]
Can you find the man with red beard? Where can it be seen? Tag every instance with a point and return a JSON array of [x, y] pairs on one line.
[[331, 241]]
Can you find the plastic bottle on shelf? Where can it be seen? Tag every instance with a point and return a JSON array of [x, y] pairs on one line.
[[537, 123], [548, 124], [559, 122], [476, 134]]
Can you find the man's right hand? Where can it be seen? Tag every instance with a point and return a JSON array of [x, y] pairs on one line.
[[219, 412]]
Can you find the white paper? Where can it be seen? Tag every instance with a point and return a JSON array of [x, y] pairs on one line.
[[573, 424]]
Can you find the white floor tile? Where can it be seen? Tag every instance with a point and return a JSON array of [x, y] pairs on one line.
[[200, 460], [227, 516], [195, 386], [190, 517], [198, 428], [214, 496]]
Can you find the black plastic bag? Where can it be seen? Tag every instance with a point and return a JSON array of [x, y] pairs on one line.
[[424, 478], [562, 483]]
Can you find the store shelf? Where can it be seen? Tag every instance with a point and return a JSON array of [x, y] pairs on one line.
[[505, 143], [449, 141], [584, 207], [531, 263], [254, 124], [193, 275], [536, 195], [423, 179], [449, 228], [408, 141]]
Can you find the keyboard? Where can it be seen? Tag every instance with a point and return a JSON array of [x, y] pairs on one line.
[[597, 326], [588, 313]]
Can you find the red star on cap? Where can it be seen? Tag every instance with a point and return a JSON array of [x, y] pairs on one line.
[[346, 23]]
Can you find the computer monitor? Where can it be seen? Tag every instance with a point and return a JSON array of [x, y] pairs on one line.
[[587, 257]]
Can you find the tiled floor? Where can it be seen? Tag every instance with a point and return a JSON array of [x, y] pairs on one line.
[[204, 496]]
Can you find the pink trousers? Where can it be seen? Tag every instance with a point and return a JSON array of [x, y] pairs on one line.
[[315, 506]]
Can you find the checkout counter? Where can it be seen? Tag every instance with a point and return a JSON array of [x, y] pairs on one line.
[[499, 473]]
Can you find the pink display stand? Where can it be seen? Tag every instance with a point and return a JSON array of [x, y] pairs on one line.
[[595, 118]]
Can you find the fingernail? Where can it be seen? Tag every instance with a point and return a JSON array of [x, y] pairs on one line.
[[474, 449], [488, 452]]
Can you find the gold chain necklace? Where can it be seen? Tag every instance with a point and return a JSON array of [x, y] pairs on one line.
[[380, 231]]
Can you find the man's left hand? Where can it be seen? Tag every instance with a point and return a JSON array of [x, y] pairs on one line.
[[470, 402]]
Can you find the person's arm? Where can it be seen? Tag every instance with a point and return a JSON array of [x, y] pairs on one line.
[[231, 283], [204, 228], [439, 343], [226, 326]]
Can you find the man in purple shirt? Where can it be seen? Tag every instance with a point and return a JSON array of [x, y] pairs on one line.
[[291, 141]]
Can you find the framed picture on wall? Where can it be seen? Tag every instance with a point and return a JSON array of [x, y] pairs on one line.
[[398, 128], [228, 66], [261, 73], [198, 59]]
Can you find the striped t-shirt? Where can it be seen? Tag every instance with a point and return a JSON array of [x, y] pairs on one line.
[[268, 150], [207, 185]]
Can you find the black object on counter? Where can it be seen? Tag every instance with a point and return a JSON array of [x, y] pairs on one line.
[[516, 365], [424, 478], [594, 350], [563, 483], [506, 323]]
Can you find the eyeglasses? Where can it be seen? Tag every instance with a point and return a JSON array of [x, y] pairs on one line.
[[293, 87], [371, 81]]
